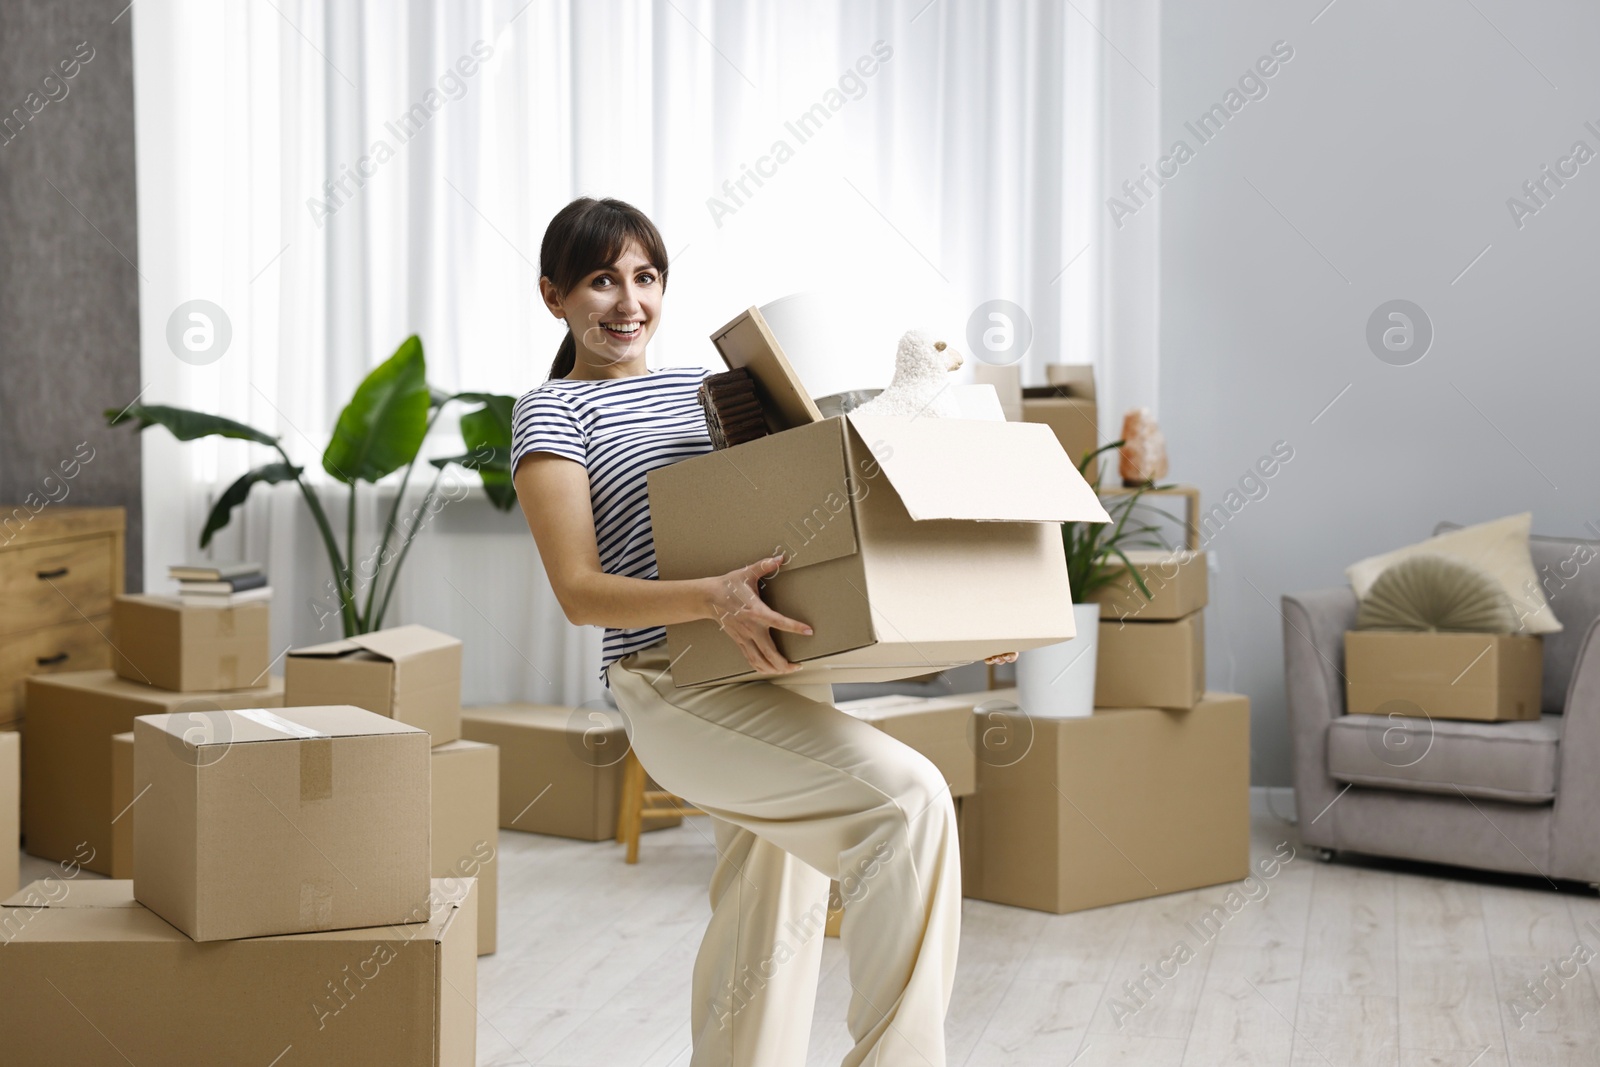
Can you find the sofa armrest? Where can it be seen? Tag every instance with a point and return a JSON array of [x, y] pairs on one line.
[[1575, 830], [1313, 673]]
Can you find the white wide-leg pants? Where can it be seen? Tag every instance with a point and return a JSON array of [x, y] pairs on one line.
[[800, 792]]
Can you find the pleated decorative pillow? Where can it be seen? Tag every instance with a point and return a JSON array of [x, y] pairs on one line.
[[1436, 592], [1499, 547]]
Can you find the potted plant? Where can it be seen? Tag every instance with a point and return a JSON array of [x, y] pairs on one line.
[[379, 431], [1057, 681]]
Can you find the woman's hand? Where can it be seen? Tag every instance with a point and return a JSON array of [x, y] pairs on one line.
[[737, 607], [1004, 657]]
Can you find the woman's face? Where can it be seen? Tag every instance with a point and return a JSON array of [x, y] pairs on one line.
[[612, 312]]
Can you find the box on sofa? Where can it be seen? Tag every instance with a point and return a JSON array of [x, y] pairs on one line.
[[1487, 677]]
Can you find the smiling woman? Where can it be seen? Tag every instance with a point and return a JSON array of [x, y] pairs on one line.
[[798, 791], [604, 271]]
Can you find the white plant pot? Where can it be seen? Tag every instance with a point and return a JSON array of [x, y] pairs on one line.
[[1057, 681]]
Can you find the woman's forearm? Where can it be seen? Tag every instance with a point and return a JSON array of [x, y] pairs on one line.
[[630, 603]]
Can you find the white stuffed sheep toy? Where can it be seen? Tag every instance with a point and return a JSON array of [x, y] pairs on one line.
[[922, 368]]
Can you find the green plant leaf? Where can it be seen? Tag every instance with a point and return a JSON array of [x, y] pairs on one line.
[[487, 435], [382, 427], [489, 425], [1090, 547], [235, 494], [185, 424], [1088, 457], [502, 403], [494, 468]]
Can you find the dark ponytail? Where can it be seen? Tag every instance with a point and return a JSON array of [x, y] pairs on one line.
[[566, 357], [588, 235]]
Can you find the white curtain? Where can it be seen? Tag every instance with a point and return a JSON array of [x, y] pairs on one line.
[[336, 175]]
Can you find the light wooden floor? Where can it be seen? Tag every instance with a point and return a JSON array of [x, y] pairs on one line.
[[1337, 965]]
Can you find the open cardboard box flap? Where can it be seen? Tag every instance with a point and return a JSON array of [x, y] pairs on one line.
[[394, 643], [978, 470], [985, 470]]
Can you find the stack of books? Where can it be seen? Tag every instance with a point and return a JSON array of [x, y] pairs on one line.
[[220, 584]]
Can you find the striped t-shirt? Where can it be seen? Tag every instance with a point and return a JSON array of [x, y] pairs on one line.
[[620, 429]]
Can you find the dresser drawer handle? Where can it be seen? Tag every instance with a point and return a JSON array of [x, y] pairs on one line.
[[51, 661], [58, 572]]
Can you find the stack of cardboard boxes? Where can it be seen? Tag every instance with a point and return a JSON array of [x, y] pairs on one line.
[[281, 861], [168, 658], [1151, 652], [412, 674], [1148, 795], [199, 662]]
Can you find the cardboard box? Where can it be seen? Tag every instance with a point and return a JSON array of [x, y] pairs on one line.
[[259, 822], [160, 641], [1151, 664], [913, 544], [122, 805], [560, 767], [1176, 580], [1485, 677], [10, 809], [66, 759], [409, 673], [466, 824], [1116, 806], [93, 979]]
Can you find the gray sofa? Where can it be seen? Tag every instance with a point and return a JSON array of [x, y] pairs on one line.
[[1521, 797]]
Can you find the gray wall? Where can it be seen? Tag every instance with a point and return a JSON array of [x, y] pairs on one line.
[[1377, 167], [69, 311]]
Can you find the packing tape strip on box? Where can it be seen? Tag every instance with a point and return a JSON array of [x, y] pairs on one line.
[[316, 769], [316, 905], [316, 755], [278, 722]]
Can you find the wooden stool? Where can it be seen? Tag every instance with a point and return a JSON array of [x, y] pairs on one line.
[[638, 804]]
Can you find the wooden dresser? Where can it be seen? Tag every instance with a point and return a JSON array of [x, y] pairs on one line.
[[59, 570]]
